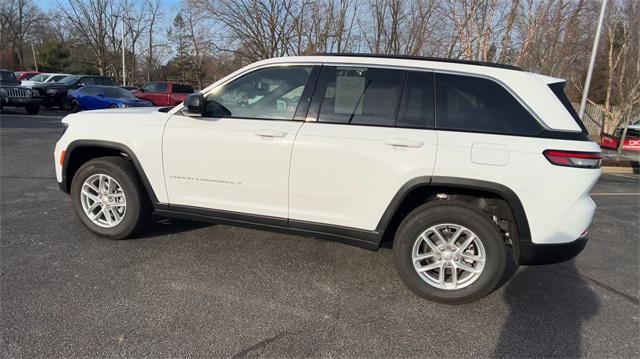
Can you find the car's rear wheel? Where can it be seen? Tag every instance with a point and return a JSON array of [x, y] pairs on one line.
[[74, 106], [32, 109], [449, 252], [109, 198]]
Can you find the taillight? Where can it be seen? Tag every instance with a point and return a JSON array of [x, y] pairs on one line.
[[573, 159]]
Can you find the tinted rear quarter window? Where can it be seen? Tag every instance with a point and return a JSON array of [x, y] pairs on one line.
[[178, 88], [477, 104], [558, 90]]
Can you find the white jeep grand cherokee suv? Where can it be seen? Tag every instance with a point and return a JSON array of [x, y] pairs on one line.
[[453, 161]]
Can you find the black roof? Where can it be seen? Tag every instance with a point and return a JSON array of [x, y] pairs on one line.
[[426, 58]]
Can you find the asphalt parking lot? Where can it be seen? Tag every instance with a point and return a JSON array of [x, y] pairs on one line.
[[187, 289]]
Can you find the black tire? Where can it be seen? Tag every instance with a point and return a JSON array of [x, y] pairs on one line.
[[32, 109], [113, 106], [459, 213], [74, 106], [138, 210]]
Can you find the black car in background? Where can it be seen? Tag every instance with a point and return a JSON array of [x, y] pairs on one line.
[[13, 95], [55, 94]]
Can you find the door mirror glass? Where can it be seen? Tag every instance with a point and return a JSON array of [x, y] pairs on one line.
[[214, 108], [193, 105]]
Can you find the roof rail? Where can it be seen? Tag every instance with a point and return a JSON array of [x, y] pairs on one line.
[[425, 58]]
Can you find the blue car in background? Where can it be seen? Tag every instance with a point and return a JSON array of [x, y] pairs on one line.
[[98, 97]]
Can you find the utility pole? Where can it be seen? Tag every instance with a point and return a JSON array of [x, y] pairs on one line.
[[124, 68], [33, 51], [594, 49]]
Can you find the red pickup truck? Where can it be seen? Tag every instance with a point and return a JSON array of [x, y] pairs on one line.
[[163, 93]]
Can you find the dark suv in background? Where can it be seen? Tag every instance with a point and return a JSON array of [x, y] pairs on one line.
[[13, 95], [55, 94]]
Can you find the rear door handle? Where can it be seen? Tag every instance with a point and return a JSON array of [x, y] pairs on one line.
[[401, 142], [269, 133]]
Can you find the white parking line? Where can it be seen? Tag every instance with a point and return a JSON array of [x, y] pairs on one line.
[[632, 176], [616, 194], [32, 116]]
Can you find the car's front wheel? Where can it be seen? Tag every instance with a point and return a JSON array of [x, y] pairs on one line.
[[449, 252], [109, 198], [32, 109]]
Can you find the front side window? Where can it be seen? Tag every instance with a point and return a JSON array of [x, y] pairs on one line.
[[151, 87], [69, 80], [271, 93], [40, 78], [88, 81], [480, 105], [7, 76], [360, 95], [56, 78], [89, 90], [161, 87], [116, 92]]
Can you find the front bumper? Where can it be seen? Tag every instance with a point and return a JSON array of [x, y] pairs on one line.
[[19, 101], [529, 253]]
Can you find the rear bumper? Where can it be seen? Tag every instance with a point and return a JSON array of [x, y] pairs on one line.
[[531, 253]]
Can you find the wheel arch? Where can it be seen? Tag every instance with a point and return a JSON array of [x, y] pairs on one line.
[[424, 189], [80, 151]]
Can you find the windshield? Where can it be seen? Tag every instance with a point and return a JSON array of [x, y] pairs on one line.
[[69, 79], [40, 78], [116, 92], [7, 76]]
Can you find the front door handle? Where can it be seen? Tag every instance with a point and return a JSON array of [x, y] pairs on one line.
[[269, 133], [401, 142]]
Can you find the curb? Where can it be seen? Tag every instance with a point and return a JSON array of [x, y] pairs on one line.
[[611, 169]]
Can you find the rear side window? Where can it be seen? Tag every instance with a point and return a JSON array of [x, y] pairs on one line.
[[87, 81], [104, 81], [416, 105], [90, 90], [360, 95], [480, 105], [178, 88]]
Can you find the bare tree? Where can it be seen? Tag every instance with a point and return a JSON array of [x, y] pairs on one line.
[[258, 29], [18, 18], [89, 19], [155, 15], [622, 37]]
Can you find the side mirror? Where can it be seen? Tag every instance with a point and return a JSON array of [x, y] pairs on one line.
[[100, 95], [194, 105], [213, 108]]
